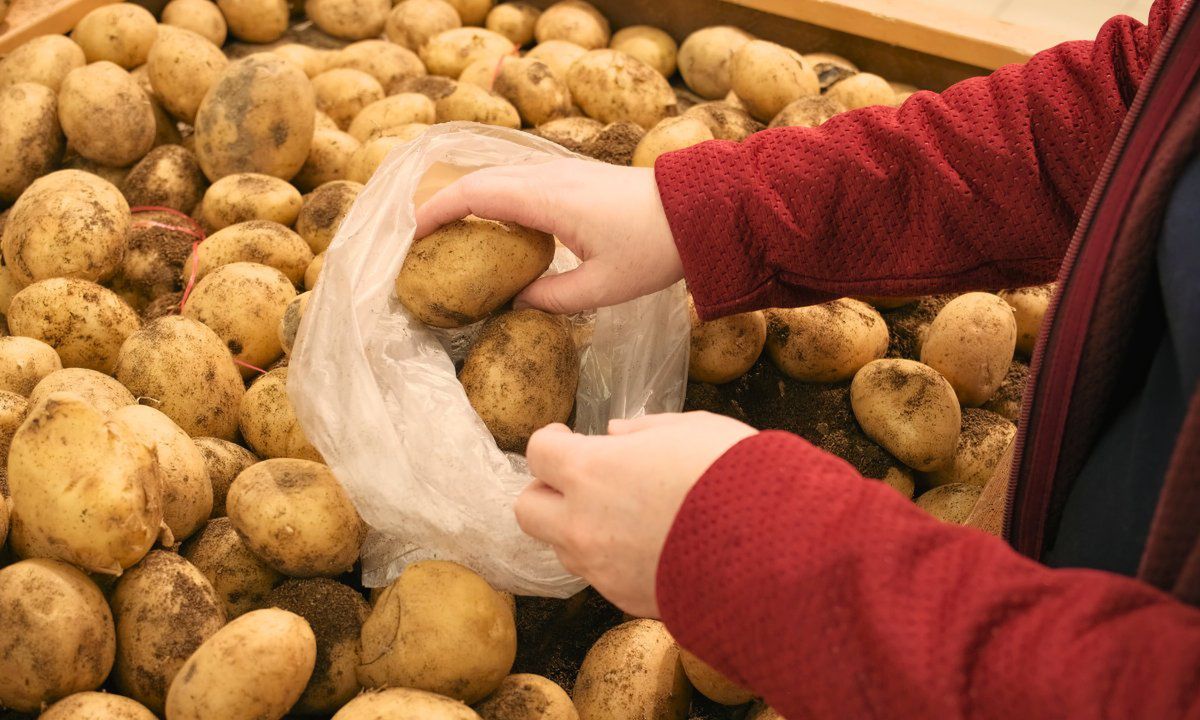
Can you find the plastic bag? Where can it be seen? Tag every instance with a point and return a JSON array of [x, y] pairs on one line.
[[375, 390]]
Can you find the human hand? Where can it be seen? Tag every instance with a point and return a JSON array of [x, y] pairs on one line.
[[606, 503], [611, 217]]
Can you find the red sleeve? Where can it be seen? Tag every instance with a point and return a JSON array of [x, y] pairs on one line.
[[833, 596], [980, 186]]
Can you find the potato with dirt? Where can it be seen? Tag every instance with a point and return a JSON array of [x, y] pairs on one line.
[[528, 697], [169, 176], [862, 90], [45, 60], [96, 706], [950, 503], [349, 19], [255, 21], [257, 118], [289, 325], [202, 17], [450, 52], [473, 12], [342, 94], [58, 634], [412, 23], [706, 59], [254, 667], [85, 489], [726, 348], [31, 139], [24, 362], [574, 21], [393, 111], [533, 89], [241, 580], [397, 703], [102, 391], [260, 241], [387, 62], [224, 461], [558, 55], [710, 683], [725, 121], [182, 67], [515, 21], [471, 103], [328, 160], [122, 34], [323, 211], [164, 608], [84, 322], [827, 342], [971, 342], [611, 86], [370, 155], [633, 671], [650, 45], [910, 410], [243, 304], [250, 196], [675, 133], [984, 440], [106, 116], [570, 132], [809, 111], [183, 369], [768, 77], [1029, 305], [442, 610], [296, 517]]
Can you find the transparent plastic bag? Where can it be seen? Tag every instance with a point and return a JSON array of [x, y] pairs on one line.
[[376, 393]]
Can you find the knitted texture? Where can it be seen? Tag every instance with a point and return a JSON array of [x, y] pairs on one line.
[[978, 187], [836, 597]]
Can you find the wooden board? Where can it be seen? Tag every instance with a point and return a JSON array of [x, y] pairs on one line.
[[29, 18]]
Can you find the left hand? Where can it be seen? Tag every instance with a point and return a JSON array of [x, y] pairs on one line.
[[606, 503]]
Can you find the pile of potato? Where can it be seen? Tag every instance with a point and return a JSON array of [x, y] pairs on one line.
[[172, 545]]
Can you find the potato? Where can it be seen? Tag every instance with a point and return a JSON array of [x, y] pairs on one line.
[[767, 77], [254, 667], [950, 503], [328, 160], [463, 271], [984, 439], [85, 489], [24, 362], [575, 21], [336, 614], [725, 121], [1029, 306], [31, 140], [258, 117], [762, 712], [349, 19], [102, 391], [181, 368], [394, 111], [632, 672], [449, 52], [105, 115], [224, 461], [711, 683], [260, 241], [84, 322], [571, 132], [387, 62], [45, 60], [412, 23], [1008, 399], [521, 375], [243, 303], [901, 480], [187, 495], [404, 704], [472, 103], [910, 410], [289, 326], [862, 90], [830, 68], [533, 90], [200, 16], [442, 610], [164, 609], [473, 12], [706, 59], [96, 706], [111, 175], [159, 244], [726, 348], [58, 634], [828, 342], [650, 45], [971, 343], [515, 21], [311, 60], [323, 211], [13, 408], [672, 134], [369, 157], [321, 121], [615, 143], [343, 93], [313, 273], [120, 34], [611, 86], [255, 21], [482, 73], [182, 67], [528, 697], [809, 111], [241, 580], [169, 176], [558, 55], [243, 197]]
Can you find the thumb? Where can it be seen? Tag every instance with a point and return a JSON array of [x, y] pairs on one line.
[[619, 426], [498, 193], [566, 293]]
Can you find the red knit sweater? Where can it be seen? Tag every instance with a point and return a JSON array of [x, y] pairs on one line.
[[835, 597]]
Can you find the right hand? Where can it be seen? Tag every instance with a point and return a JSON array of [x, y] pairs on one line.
[[611, 217]]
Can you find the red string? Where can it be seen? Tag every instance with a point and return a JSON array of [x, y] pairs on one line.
[[259, 370], [500, 63]]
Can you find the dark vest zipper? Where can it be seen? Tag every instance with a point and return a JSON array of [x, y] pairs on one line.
[[1056, 361]]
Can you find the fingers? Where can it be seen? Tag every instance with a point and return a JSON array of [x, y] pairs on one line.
[[550, 452], [646, 422], [499, 193], [573, 291], [542, 513]]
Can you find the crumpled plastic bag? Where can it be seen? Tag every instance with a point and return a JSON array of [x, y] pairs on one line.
[[375, 391]]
